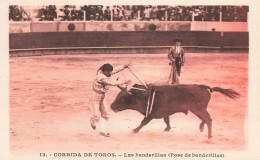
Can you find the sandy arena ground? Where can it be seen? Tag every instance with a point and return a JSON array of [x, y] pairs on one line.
[[49, 109]]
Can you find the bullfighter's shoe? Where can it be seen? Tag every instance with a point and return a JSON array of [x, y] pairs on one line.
[[92, 124], [104, 134]]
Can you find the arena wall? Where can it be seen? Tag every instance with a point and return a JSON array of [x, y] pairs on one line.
[[111, 39], [35, 38], [37, 43], [63, 26], [235, 39]]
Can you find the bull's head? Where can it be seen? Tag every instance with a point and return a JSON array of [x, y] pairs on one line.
[[135, 99]]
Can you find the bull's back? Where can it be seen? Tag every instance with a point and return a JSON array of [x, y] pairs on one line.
[[170, 99]]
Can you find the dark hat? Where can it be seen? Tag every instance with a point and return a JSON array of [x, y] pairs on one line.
[[106, 67], [177, 40]]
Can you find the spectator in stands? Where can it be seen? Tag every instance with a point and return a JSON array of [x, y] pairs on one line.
[[25, 15], [127, 12], [11, 9], [186, 13], [74, 14], [98, 17], [47, 17], [146, 15], [121, 14], [43, 13], [85, 8], [172, 13], [141, 9], [211, 13], [107, 15], [66, 13], [115, 11], [198, 13], [15, 13], [91, 17], [51, 12], [80, 14], [134, 13], [101, 18], [99, 10], [91, 10], [153, 13], [161, 13], [227, 13], [243, 13]]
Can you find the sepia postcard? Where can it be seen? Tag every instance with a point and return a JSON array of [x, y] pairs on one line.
[[130, 80]]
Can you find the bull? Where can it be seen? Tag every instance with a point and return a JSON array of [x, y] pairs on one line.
[[168, 100]]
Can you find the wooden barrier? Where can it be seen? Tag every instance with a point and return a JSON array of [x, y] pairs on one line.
[[111, 39], [28, 44]]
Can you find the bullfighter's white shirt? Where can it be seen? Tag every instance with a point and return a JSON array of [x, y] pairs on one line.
[[103, 82]]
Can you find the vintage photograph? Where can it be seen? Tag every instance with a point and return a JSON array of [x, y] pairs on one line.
[[128, 81]]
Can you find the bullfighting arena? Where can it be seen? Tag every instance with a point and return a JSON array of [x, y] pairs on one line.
[[49, 104]]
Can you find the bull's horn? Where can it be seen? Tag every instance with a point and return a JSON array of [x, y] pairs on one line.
[[141, 89]]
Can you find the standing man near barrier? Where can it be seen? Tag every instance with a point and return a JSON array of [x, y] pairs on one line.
[[176, 56], [98, 105]]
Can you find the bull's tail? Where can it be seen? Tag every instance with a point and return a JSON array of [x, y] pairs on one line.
[[227, 92]]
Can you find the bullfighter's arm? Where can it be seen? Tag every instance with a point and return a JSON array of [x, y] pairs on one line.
[[101, 78], [123, 12], [170, 55], [119, 69], [113, 83], [110, 82], [106, 80]]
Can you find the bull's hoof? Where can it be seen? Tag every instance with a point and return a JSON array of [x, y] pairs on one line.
[[167, 129], [135, 130], [210, 141]]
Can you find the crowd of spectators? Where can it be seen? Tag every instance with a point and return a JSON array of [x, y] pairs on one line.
[[235, 13], [47, 13], [206, 13], [180, 13], [70, 13], [17, 13], [134, 13]]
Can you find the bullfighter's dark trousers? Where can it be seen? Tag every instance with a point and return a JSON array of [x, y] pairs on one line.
[[178, 65]]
